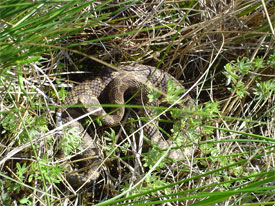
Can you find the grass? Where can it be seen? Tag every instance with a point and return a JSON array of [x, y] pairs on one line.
[[223, 54]]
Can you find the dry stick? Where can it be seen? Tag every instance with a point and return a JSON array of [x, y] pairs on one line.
[[268, 19]]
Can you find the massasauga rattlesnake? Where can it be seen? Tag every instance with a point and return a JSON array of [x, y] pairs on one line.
[[114, 86]]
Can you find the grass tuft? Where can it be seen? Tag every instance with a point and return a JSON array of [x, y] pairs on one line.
[[222, 52]]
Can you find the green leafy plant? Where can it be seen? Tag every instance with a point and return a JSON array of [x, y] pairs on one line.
[[70, 142], [50, 172]]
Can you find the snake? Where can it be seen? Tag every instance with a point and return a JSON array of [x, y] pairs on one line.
[[112, 86]]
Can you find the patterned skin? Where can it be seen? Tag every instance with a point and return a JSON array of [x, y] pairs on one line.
[[112, 86]]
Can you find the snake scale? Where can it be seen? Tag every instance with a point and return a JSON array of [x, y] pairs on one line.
[[113, 85]]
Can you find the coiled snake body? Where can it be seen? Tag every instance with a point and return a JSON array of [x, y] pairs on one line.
[[114, 85]]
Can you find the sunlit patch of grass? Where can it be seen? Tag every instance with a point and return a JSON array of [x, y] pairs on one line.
[[223, 50]]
